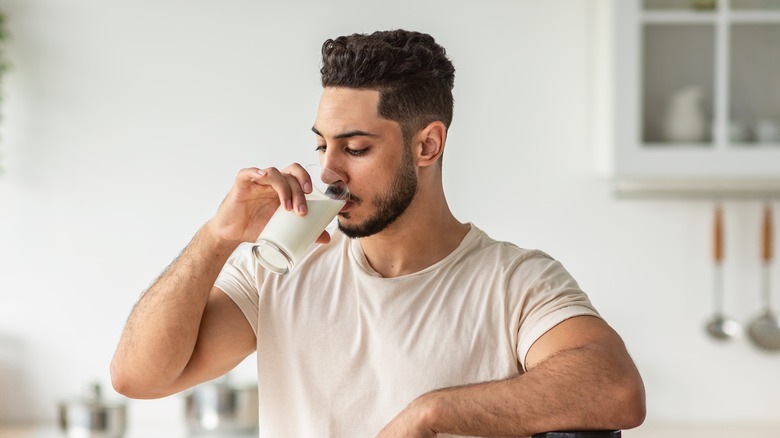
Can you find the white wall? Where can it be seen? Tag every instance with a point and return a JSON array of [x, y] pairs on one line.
[[125, 122]]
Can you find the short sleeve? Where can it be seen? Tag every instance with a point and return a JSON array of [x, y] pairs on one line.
[[238, 280], [549, 296]]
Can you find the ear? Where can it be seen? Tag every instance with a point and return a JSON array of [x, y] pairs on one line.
[[429, 143]]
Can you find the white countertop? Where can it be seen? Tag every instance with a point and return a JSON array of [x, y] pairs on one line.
[[728, 430], [51, 431], [646, 431]]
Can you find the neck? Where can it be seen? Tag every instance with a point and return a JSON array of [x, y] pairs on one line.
[[424, 234]]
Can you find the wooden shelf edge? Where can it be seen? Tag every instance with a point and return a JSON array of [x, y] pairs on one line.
[[683, 16], [692, 16], [629, 188]]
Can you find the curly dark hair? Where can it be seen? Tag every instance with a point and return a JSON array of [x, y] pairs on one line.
[[410, 70]]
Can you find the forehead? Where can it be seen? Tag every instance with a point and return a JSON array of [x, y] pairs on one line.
[[346, 108]]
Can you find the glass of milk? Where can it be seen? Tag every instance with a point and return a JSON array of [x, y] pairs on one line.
[[287, 236]]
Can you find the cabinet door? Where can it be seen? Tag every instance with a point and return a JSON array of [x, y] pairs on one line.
[[696, 94]]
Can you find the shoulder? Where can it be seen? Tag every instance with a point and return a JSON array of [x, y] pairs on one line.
[[516, 267], [509, 255]]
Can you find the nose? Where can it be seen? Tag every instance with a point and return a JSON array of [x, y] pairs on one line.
[[328, 161], [329, 176], [336, 187], [334, 176]]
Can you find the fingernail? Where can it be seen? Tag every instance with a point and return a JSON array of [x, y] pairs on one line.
[[261, 172], [307, 187], [302, 209], [288, 204]]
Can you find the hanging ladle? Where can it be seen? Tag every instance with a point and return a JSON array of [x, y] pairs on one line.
[[764, 330], [719, 327]]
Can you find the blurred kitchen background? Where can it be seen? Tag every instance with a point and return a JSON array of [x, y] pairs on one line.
[[124, 123]]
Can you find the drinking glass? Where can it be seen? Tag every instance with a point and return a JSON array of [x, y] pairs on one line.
[[287, 236]]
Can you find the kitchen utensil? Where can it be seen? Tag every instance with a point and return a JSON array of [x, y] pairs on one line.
[[764, 330], [719, 326], [684, 120], [91, 416], [767, 131], [220, 407]]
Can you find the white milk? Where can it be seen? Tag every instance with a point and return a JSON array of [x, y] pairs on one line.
[[294, 234]]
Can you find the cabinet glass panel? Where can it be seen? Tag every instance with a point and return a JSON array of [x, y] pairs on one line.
[[754, 111], [659, 5], [677, 84], [755, 4]]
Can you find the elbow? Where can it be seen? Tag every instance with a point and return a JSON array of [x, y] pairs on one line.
[[629, 408], [121, 386], [122, 380], [633, 415], [131, 384], [638, 410]]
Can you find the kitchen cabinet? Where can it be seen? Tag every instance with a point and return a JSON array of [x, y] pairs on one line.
[[691, 95]]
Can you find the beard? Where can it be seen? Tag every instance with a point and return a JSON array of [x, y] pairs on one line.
[[389, 205]]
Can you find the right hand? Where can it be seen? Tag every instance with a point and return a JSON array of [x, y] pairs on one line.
[[255, 196]]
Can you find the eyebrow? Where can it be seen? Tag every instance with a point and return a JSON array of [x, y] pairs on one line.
[[348, 134]]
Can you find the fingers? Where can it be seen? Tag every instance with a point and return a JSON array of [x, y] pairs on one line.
[[301, 175], [291, 185], [251, 174], [299, 188]]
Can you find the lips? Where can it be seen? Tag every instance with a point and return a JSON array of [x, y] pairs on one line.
[[346, 206]]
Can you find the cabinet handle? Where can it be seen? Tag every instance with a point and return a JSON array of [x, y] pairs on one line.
[[717, 237], [766, 240]]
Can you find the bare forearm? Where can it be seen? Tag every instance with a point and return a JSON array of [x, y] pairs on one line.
[[582, 388], [162, 330]]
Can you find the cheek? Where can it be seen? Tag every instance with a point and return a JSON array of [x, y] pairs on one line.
[[373, 177], [364, 176], [365, 187]]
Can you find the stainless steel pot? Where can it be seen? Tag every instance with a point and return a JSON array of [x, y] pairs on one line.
[[221, 407], [93, 417]]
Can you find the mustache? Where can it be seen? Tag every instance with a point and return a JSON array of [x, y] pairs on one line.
[[339, 191], [353, 198]]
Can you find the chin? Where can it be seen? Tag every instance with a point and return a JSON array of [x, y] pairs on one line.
[[351, 228]]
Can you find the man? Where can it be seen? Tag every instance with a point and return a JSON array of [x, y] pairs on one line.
[[408, 323]]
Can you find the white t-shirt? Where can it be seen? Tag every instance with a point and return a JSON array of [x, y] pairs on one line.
[[341, 350]]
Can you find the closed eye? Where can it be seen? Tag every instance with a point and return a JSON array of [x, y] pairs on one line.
[[356, 152], [350, 151]]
